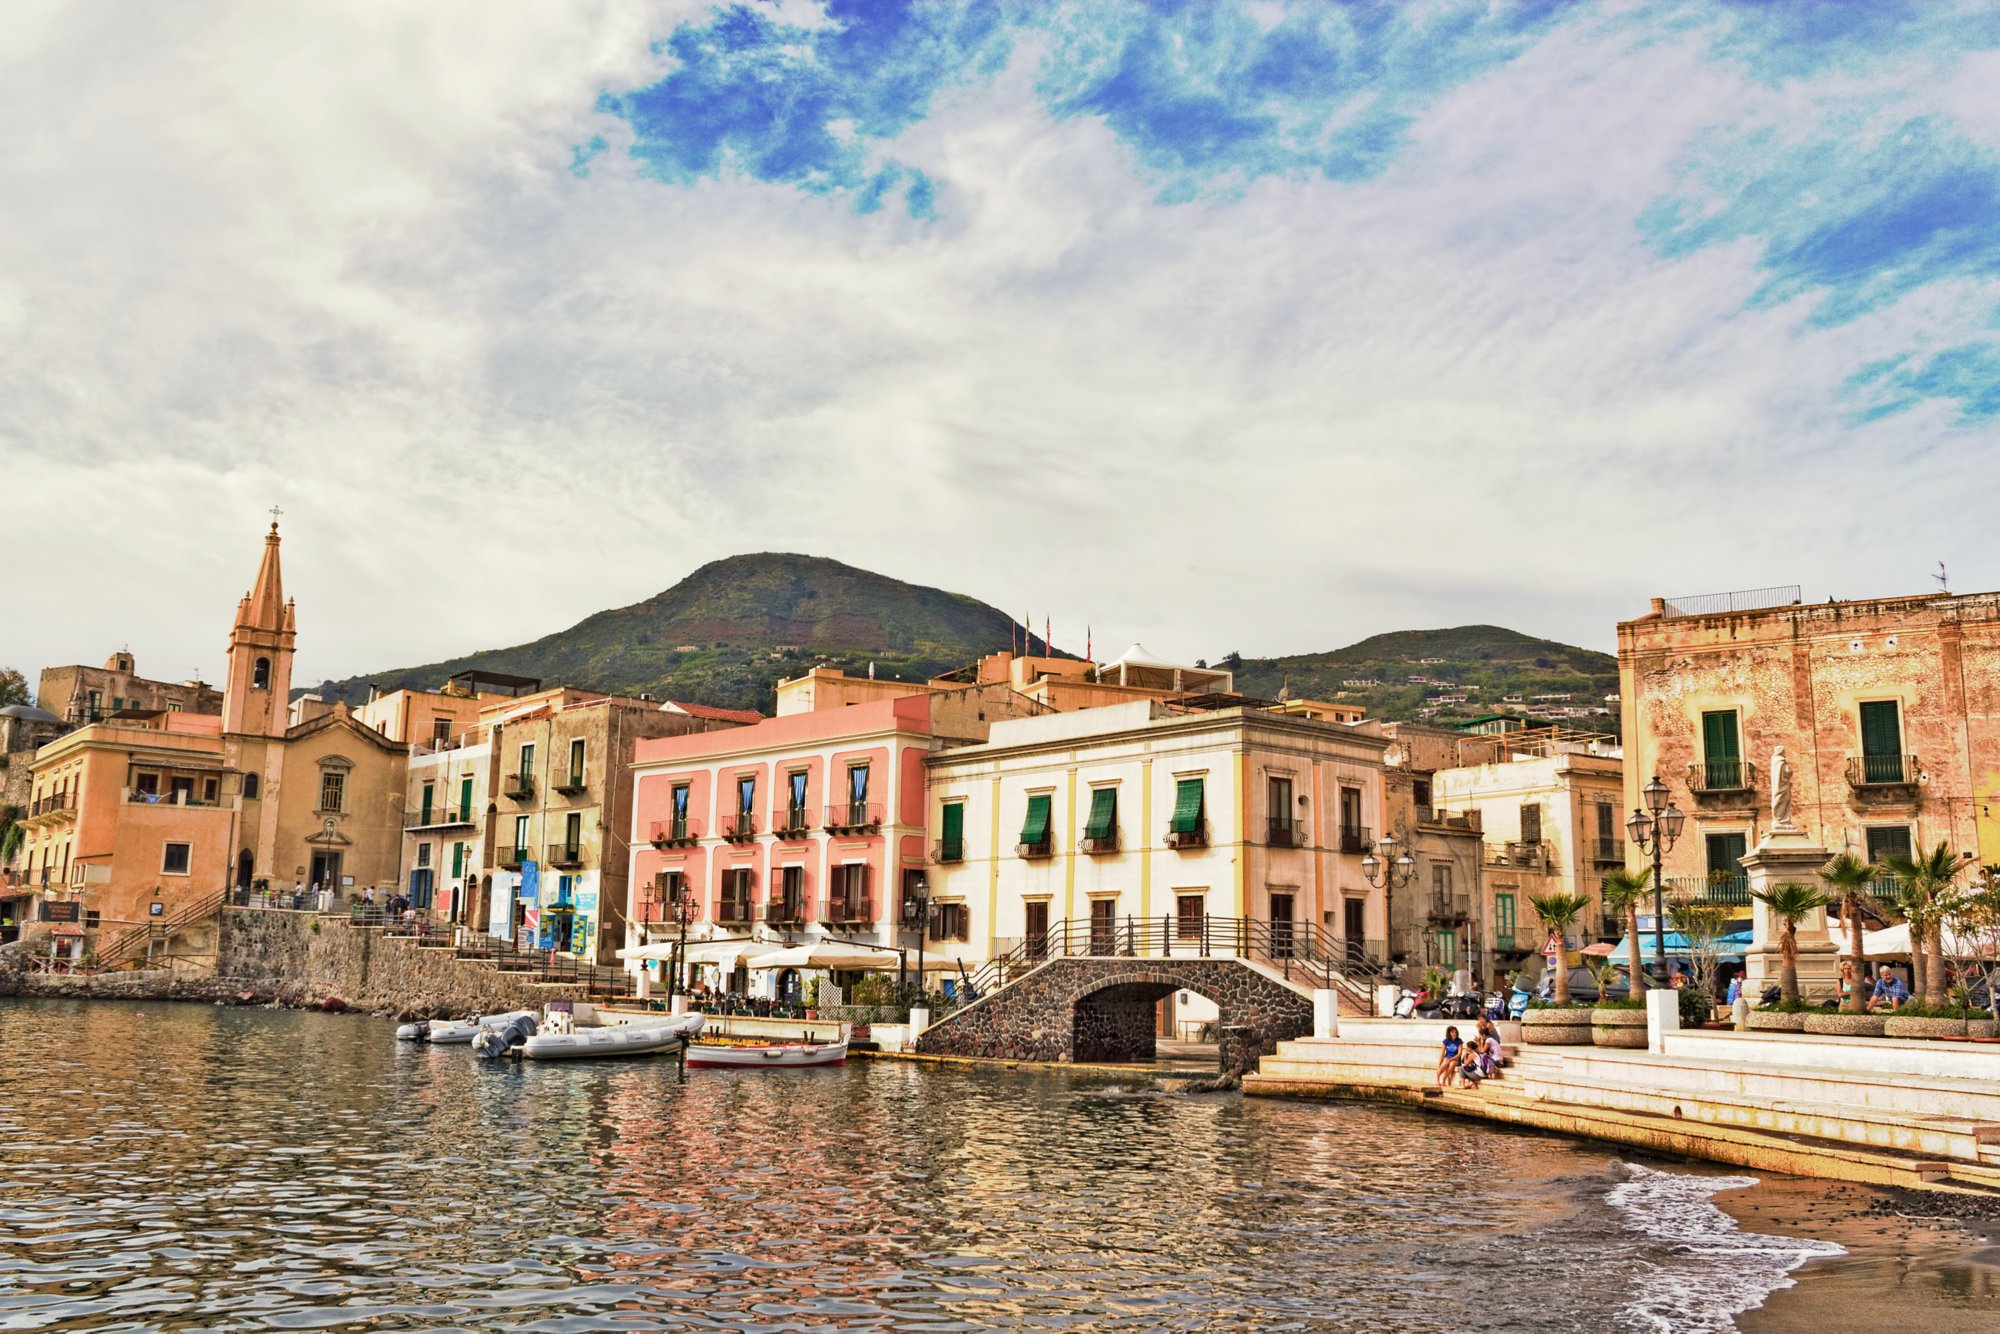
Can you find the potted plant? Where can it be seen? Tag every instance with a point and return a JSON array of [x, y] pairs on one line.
[[1557, 1022], [812, 999]]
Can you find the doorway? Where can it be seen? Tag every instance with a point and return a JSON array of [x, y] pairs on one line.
[[1281, 925], [1036, 930], [1103, 926], [1354, 928], [325, 871], [245, 865]]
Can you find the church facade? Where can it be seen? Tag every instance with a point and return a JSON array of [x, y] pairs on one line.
[[134, 817]]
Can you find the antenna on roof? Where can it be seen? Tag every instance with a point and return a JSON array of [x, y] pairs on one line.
[[1943, 579]]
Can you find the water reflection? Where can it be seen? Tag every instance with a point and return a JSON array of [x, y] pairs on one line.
[[234, 1169]]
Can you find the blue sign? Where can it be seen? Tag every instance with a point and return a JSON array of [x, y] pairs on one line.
[[531, 882]]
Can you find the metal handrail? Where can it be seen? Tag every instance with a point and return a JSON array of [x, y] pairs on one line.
[[441, 817], [743, 824], [1881, 770], [518, 786], [666, 833], [853, 815], [1721, 776], [1354, 838], [1282, 832], [129, 942], [565, 854]]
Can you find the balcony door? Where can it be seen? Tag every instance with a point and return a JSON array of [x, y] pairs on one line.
[[1725, 861], [1721, 751], [1103, 926], [1281, 925], [1036, 929], [1882, 741]]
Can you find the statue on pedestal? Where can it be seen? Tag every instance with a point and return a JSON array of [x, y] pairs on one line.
[[1781, 790]]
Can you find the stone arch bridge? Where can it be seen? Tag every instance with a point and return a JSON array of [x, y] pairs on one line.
[[1102, 1009]]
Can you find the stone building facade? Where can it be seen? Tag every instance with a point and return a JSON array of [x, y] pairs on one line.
[[1888, 711], [78, 694]]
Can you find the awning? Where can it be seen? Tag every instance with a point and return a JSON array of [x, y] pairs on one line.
[[1103, 811], [1187, 807], [729, 953], [1036, 830], [1731, 947], [656, 953], [830, 954]]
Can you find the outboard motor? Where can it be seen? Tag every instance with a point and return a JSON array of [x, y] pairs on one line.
[[497, 1042]]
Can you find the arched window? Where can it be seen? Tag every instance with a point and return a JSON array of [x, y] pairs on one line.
[[250, 787], [260, 675]]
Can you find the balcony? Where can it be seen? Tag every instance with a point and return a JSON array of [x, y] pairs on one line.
[[853, 817], [1196, 837], [1607, 851], [787, 911], [740, 827], [946, 853], [519, 787], [1447, 909], [566, 856], [1354, 839], [1722, 778], [440, 817], [1719, 887], [848, 910], [1103, 843], [676, 833], [1882, 776], [735, 910], [179, 796], [61, 803], [1469, 821], [795, 823], [1528, 856], [1036, 850], [571, 783], [511, 857], [1280, 832]]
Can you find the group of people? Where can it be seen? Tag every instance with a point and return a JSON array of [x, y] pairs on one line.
[[1466, 1061]]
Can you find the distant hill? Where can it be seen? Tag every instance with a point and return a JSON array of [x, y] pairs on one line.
[[728, 632], [1484, 663]]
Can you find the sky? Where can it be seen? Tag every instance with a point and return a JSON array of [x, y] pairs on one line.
[[1221, 326]]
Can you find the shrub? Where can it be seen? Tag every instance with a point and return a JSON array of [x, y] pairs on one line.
[[1697, 1007], [1621, 1003]]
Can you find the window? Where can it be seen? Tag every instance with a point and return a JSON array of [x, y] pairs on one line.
[[1447, 949], [847, 897], [1278, 799], [1035, 831], [1190, 798], [464, 813], [679, 799], [210, 790], [1531, 822], [1035, 927], [430, 792], [177, 858], [1503, 921], [1887, 841], [792, 884], [795, 811], [332, 790], [1420, 794], [260, 674], [1721, 751], [1726, 878], [1882, 742], [1100, 831], [1352, 835], [527, 769], [1441, 879], [520, 836], [250, 787], [573, 831], [423, 854], [746, 795], [440, 731], [735, 906], [457, 859], [146, 784], [951, 839], [857, 794], [1188, 912], [951, 921], [173, 706], [576, 762]]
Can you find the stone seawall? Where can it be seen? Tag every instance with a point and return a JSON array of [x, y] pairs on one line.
[[302, 959]]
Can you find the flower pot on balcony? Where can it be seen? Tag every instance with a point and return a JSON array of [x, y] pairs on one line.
[[1846, 1025], [1915, 1026], [1618, 1028], [1552, 1027], [1777, 1021]]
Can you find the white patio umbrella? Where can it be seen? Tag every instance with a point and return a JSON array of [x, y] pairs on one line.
[[659, 952], [829, 954], [729, 953]]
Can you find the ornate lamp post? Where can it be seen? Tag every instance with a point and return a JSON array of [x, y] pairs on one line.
[[1655, 827], [917, 918], [685, 908], [1389, 871]]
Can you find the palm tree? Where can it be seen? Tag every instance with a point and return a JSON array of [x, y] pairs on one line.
[[1623, 891], [1790, 902], [1850, 879], [1559, 913], [1927, 898]]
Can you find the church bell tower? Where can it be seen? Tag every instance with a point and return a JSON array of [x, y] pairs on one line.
[[257, 688]]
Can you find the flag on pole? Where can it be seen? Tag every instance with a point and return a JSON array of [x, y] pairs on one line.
[[1047, 647], [1088, 656], [1028, 633]]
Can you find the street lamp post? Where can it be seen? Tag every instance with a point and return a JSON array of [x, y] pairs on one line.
[[1655, 827], [1388, 872], [917, 918], [685, 908]]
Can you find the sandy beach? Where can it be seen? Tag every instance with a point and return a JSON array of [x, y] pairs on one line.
[[1913, 1261]]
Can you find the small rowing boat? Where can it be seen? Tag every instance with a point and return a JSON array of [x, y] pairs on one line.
[[771, 1056]]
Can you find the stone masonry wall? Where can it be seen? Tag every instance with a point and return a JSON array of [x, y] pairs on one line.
[[1038, 1018], [302, 959]]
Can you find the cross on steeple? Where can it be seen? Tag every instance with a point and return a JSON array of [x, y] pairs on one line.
[[275, 512]]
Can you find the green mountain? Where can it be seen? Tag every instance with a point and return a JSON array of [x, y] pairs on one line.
[[728, 632], [1486, 664]]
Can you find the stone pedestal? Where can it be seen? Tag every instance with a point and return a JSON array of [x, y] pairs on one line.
[[1663, 1016], [1787, 854], [920, 1019], [1326, 1013]]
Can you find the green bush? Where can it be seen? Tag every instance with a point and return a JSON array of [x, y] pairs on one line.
[[1697, 1007], [1539, 1004], [1622, 1003]]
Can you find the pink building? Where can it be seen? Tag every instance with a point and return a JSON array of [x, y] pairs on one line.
[[794, 828]]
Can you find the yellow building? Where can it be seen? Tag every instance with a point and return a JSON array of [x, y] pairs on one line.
[[141, 816]]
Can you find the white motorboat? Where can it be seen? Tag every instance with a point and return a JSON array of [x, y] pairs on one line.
[[768, 1056], [639, 1038], [457, 1031]]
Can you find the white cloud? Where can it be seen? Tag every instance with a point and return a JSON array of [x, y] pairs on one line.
[[336, 259]]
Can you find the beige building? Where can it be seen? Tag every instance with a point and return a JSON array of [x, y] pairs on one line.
[[79, 694], [1887, 711], [1185, 820]]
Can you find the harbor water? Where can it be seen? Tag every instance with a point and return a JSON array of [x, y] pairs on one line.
[[188, 1167]]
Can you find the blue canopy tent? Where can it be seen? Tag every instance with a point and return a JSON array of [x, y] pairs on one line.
[[1730, 948]]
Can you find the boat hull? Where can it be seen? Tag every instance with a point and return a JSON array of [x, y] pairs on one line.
[[619, 1040], [776, 1056], [459, 1031]]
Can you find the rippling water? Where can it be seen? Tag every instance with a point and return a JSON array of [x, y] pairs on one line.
[[182, 1167]]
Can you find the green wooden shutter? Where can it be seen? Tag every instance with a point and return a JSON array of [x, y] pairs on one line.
[[1103, 813], [1036, 830], [954, 832], [458, 859], [1187, 807], [1720, 749], [465, 798], [1882, 741], [426, 817]]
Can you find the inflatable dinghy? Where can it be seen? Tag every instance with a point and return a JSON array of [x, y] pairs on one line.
[[457, 1031], [634, 1039], [497, 1042]]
